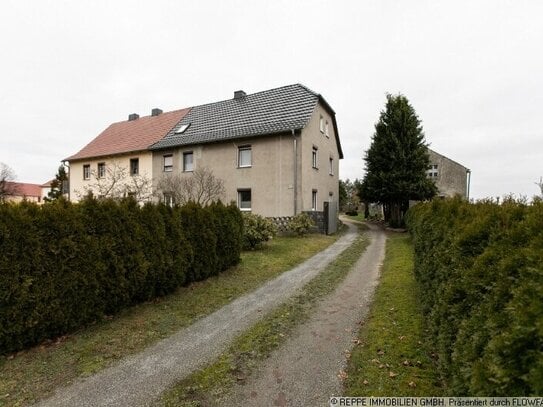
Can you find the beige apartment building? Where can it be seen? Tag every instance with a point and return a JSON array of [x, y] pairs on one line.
[[277, 151], [450, 177]]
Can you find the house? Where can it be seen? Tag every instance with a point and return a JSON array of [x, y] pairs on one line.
[[277, 151], [451, 178], [20, 191]]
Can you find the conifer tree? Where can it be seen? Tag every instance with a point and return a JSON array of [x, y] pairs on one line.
[[397, 161]]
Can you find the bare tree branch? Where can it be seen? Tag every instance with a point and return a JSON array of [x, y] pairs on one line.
[[201, 187], [7, 187]]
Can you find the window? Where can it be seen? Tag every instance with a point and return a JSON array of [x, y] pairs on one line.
[[326, 129], [134, 166], [244, 199], [321, 124], [188, 161], [331, 169], [245, 156], [86, 171], [168, 163], [314, 200], [101, 170], [314, 160], [432, 171], [167, 199], [183, 128]]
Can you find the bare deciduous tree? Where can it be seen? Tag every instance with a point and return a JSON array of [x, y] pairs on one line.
[[117, 183], [7, 176], [540, 185], [201, 187]]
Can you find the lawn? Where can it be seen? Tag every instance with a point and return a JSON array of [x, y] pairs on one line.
[[210, 384], [391, 357], [33, 374]]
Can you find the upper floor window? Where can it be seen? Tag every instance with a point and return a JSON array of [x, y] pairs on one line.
[[188, 161], [134, 166], [86, 171], [432, 171], [321, 124], [326, 129], [331, 168], [101, 170], [168, 162], [244, 199], [314, 158], [245, 158]]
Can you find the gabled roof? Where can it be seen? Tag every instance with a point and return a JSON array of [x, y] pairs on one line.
[[128, 136], [268, 112], [23, 189]]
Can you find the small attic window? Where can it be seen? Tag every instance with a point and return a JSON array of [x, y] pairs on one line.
[[182, 128]]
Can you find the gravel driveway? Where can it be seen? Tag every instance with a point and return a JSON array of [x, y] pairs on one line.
[[141, 378], [306, 370]]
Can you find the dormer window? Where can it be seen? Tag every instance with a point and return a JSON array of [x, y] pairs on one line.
[[183, 128]]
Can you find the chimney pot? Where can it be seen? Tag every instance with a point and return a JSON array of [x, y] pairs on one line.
[[239, 94], [156, 111], [133, 116]]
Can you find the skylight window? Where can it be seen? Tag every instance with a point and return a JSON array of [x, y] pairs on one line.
[[182, 128]]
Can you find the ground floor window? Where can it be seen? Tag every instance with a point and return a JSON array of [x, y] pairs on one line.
[[244, 199], [314, 200]]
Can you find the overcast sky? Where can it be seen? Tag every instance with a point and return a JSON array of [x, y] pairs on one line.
[[473, 71]]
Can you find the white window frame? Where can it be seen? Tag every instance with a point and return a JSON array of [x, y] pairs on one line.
[[167, 199], [188, 167], [321, 124], [315, 158], [326, 129], [167, 167], [134, 164], [331, 169], [86, 172], [244, 149], [241, 191], [314, 200], [101, 170], [433, 171]]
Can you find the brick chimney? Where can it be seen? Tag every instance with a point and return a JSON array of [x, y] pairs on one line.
[[156, 111], [239, 94], [133, 116]]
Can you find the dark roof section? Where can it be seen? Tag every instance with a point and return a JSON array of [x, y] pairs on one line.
[[268, 112]]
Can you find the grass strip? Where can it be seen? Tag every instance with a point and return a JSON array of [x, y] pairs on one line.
[[391, 358], [32, 375], [208, 385]]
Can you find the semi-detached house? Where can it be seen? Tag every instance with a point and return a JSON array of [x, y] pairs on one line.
[[277, 151]]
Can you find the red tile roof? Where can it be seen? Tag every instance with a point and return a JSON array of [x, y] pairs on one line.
[[23, 189], [127, 136]]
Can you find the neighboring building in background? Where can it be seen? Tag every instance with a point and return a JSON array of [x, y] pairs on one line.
[[20, 191], [277, 151], [450, 177]]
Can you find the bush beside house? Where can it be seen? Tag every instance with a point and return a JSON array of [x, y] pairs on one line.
[[480, 268], [65, 265]]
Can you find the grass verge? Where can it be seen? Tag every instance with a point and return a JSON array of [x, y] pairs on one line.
[[210, 384], [31, 375], [359, 217], [391, 358]]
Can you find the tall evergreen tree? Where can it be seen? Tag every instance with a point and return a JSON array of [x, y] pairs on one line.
[[397, 161], [58, 185]]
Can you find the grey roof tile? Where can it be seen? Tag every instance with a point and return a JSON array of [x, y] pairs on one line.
[[267, 112]]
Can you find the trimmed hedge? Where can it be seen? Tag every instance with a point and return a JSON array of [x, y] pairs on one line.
[[480, 267], [63, 265]]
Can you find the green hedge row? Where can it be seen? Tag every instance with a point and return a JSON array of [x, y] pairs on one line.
[[65, 265], [480, 267]]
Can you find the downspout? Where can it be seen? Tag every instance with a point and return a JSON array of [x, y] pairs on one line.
[[469, 181], [295, 172]]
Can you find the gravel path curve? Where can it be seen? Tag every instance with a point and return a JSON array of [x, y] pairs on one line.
[[139, 379], [306, 370]]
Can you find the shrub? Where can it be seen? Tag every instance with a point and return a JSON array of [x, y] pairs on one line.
[[300, 224], [480, 267], [65, 265], [257, 230]]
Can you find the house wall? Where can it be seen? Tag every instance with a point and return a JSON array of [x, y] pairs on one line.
[[270, 176], [78, 185], [320, 179], [452, 177]]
